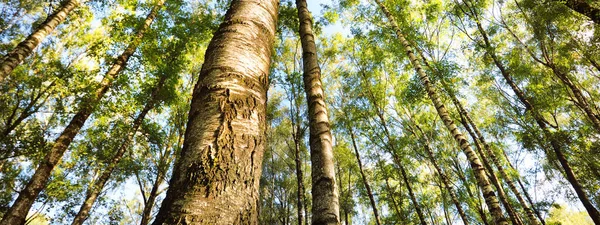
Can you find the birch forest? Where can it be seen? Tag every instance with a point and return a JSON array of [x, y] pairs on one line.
[[304, 112]]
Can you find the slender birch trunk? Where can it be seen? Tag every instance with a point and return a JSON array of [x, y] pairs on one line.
[[513, 216], [18, 211], [466, 118], [325, 208], [96, 188], [391, 196], [463, 179], [539, 119], [299, 174], [478, 169], [26, 47], [364, 178], [411, 194], [216, 178], [442, 175], [149, 203], [530, 215]]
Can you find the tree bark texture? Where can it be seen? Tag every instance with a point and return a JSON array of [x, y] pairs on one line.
[[26, 47], [18, 211], [325, 208], [539, 119], [216, 177], [364, 178], [478, 169]]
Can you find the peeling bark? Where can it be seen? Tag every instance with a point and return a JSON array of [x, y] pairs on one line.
[[478, 169], [325, 208], [26, 47], [216, 177], [18, 211]]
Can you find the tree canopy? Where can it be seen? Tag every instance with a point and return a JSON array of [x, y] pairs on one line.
[[300, 112]]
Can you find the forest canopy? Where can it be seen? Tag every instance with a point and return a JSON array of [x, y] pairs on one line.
[[300, 112]]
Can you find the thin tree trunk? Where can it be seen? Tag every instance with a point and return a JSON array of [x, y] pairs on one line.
[[514, 217], [364, 178], [493, 157], [584, 8], [26, 47], [479, 136], [299, 177], [527, 196], [149, 204], [442, 175], [163, 166], [325, 208], [478, 169], [581, 100], [445, 208], [216, 179], [413, 198], [18, 211], [463, 179], [391, 193], [556, 145], [96, 188]]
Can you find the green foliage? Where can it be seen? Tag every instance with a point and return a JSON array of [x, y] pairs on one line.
[[372, 93]]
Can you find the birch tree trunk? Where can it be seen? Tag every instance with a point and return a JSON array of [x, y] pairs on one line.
[[16, 56], [216, 177], [581, 101], [325, 208], [539, 119], [442, 175], [364, 178], [18, 211], [96, 188], [299, 174], [530, 215], [411, 194], [478, 169], [149, 204]]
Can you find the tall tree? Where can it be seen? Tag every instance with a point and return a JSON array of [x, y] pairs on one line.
[[26, 47], [364, 177], [216, 178], [95, 188], [478, 169], [325, 208], [542, 123], [439, 170], [18, 211]]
